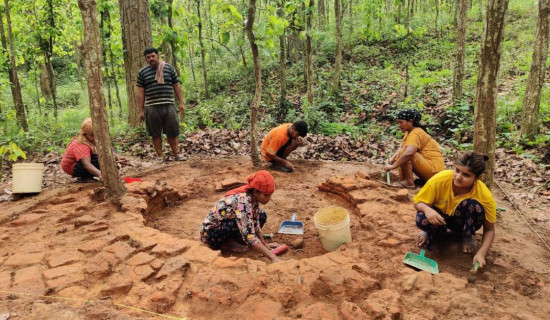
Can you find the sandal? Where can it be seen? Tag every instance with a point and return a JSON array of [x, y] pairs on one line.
[[398, 184], [180, 157]]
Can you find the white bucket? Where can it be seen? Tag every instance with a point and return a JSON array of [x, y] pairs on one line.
[[27, 177], [333, 226]]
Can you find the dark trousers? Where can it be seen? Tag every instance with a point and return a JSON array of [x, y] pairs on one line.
[[81, 172], [228, 229], [467, 218]]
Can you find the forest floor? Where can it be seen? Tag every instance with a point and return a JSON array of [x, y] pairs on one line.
[[68, 254]]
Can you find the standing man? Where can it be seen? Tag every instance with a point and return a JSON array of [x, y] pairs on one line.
[[156, 84], [281, 141]]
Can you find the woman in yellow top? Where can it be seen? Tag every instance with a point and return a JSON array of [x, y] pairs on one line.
[[458, 200], [419, 152]]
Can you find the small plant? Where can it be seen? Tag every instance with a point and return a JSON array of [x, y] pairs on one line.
[[14, 153]]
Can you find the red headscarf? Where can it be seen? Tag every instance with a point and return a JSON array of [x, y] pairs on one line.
[[262, 181]]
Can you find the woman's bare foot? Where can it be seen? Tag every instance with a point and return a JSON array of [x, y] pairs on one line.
[[234, 246], [422, 238], [468, 244]]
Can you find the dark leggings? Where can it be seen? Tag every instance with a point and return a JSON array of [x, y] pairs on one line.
[[81, 172], [467, 218], [228, 229]]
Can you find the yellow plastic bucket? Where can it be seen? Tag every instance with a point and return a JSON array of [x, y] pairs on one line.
[[27, 177], [332, 223]]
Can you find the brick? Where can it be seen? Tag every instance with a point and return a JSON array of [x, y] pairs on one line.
[[65, 281], [402, 195], [176, 265], [5, 280], [202, 254], [117, 285], [23, 259], [83, 220], [26, 220], [121, 250], [62, 271], [94, 246], [139, 273], [63, 258], [29, 280], [157, 264], [140, 258]]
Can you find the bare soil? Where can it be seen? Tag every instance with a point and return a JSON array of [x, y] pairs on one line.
[[67, 254]]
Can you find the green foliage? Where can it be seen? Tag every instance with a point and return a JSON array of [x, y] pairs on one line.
[[13, 152]]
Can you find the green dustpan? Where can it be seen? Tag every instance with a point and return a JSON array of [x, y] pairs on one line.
[[419, 261]]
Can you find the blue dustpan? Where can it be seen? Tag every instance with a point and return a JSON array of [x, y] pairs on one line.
[[292, 226]]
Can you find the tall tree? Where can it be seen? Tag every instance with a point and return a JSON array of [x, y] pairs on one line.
[[487, 83], [257, 80], [92, 65], [531, 102], [47, 47], [309, 53], [203, 51], [136, 36], [338, 48], [460, 48], [12, 70]]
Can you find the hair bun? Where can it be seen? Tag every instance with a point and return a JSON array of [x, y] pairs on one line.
[[485, 158]]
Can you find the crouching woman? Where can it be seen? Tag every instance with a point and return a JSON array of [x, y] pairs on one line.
[[235, 223], [458, 200]]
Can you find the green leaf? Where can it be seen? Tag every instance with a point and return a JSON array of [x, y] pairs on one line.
[[225, 37]]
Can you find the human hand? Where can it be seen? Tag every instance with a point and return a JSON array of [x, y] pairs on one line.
[[289, 165], [480, 259], [141, 116], [182, 108], [392, 159], [389, 168], [300, 140], [433, 217], [272, 245]]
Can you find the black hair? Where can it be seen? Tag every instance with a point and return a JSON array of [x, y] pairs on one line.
[[475, 161], [150, 50], [411, 114], [301, 127]]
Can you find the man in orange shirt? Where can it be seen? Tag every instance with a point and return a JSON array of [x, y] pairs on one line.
[[281, 141]]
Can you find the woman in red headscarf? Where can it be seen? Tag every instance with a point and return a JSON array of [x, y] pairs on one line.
[[237, 218]]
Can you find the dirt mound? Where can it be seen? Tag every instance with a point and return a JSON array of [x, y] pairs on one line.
[[103, 260]]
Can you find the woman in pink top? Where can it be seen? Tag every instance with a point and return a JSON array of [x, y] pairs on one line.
[[81, 160]]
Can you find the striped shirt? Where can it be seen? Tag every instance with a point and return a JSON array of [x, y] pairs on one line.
[[158, 94]]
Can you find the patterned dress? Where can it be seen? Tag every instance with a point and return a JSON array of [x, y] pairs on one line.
[[233, 217]]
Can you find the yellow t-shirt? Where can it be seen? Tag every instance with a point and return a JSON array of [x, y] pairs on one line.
[[438, 192], [427, 147], [274, 140]]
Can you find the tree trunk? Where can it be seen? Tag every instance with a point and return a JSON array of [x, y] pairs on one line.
[[282, 65], [48, 53], [76, 51], [399, 9], [258, 81], [351, 17], [12, 70], [309, 54], [535, 81], [92, 65], [437, 18], [172, 41], [321, 14], [203, 52], [105, 37], [136, 36], [112, 63], [338, 49], [36, 81], [480, 12], [460, 49], [487, 84]]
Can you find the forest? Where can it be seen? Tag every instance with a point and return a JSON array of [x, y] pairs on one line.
[[345, 67], [135, 244]]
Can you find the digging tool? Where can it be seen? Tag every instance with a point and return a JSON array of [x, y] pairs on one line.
[[473, 272], [421, 262], [292, 226]]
